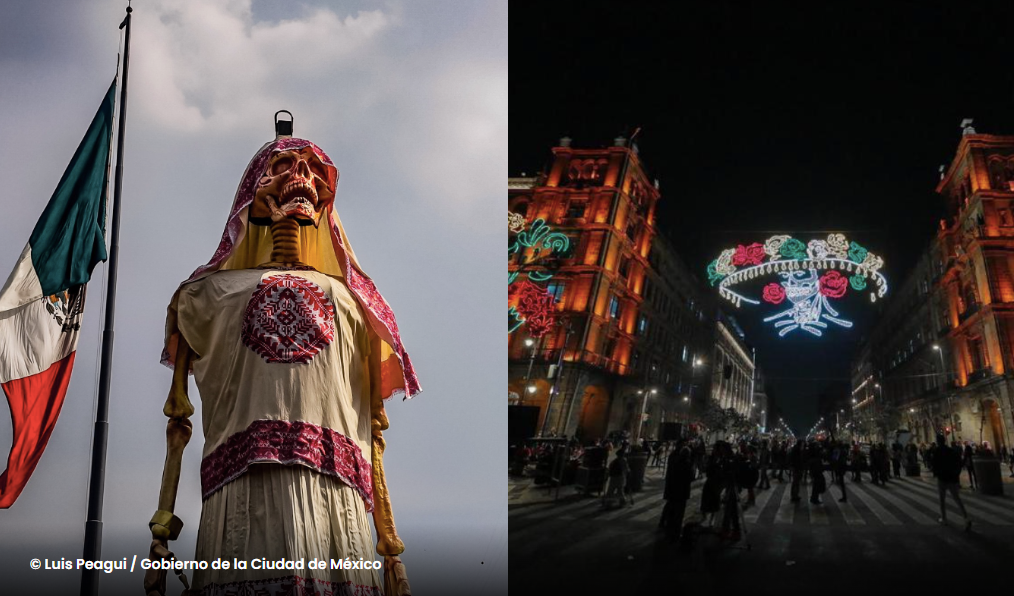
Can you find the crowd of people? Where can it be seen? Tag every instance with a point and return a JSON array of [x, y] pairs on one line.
[[734, 473]]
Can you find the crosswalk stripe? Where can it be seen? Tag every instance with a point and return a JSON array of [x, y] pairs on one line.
[[848, 511], [754, 512], [818, 513], [638, 506], [915, 498], [932, 505], [873, 505], [996, 515], [915, 514], [1001, 506], [786, 509]]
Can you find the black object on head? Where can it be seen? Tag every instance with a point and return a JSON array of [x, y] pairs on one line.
[[283, 127]]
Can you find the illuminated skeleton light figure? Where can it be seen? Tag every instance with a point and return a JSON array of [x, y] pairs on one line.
[[802, 288], [812, 274]]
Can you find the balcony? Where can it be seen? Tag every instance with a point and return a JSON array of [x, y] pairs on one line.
[[967, 313], [982, 373]]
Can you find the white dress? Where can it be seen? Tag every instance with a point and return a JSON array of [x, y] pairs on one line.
[[282, 367]]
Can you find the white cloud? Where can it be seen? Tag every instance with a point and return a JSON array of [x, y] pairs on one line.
[[206, 65], [206, 68]]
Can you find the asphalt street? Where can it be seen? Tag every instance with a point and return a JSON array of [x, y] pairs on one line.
[[881, 538]]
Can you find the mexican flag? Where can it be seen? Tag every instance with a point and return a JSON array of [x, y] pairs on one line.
[[42, 301]]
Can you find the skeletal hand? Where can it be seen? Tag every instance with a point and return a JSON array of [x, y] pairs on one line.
[[155, 579], [395, 578]]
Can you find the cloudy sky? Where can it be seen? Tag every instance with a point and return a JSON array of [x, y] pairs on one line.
[[410, 101]]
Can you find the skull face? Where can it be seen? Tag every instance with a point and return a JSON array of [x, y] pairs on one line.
[[294, 185], [800, 285]]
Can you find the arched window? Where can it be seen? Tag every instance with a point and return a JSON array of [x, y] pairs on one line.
[[997, 178]]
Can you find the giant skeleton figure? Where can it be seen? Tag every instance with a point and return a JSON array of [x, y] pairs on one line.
[[293, 351]]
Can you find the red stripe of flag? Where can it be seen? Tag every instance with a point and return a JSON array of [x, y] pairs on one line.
[[35, 405]]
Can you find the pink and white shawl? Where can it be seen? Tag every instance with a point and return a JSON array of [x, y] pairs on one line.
[[378, 312]]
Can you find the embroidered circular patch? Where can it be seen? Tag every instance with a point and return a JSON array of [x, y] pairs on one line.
[[288, 319]]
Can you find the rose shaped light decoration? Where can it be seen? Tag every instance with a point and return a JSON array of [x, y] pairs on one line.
[[847, 266]]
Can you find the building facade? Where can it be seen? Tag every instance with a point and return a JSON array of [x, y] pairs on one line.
[[675, 332], [631, 318], [976, 245], [732, 376], [940, 359], [605, 204]]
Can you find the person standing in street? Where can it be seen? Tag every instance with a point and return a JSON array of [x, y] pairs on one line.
[[730, 495], [778, 460], [711, 493], [796, 468], [765, 463], [619, 468], [857, 463], [896, 459], [838, 465], [747, 472], [947, 469], [816, 466], [678, 477], [966, 462]]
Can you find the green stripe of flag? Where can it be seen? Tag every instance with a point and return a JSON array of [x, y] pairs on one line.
[[69, 238]]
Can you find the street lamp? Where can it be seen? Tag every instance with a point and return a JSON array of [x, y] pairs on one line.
[[644, 405], [530, 343]]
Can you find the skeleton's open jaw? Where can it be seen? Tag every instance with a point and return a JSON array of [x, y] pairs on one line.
[[297, 207]]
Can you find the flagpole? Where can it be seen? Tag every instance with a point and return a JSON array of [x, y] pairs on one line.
[[93, 525]]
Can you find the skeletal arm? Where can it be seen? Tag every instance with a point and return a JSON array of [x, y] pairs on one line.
[[164, 525], [388, 543]]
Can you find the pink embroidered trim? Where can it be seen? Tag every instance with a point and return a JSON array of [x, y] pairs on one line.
[[289, 319], [292, 585], [289, 443]]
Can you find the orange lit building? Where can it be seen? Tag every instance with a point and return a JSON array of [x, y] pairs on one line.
[[941, 356], [976, 243], [593, 371]]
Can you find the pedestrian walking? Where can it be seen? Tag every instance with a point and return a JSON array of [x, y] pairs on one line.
[[947, 469], [816, 466], [967, 463], [838, 466], [857, 463], [656, 458], [885, 463], [747, 473], [796, 468], [778, 460], [896, 459], [678, 477], [764, 462], [699, 458], [711, 492], [619, 469], [730, 495]]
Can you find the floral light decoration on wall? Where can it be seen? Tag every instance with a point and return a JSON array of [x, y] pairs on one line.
[[534, 305], [812, 275]]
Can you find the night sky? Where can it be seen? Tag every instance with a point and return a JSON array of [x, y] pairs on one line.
[[759, 121]]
